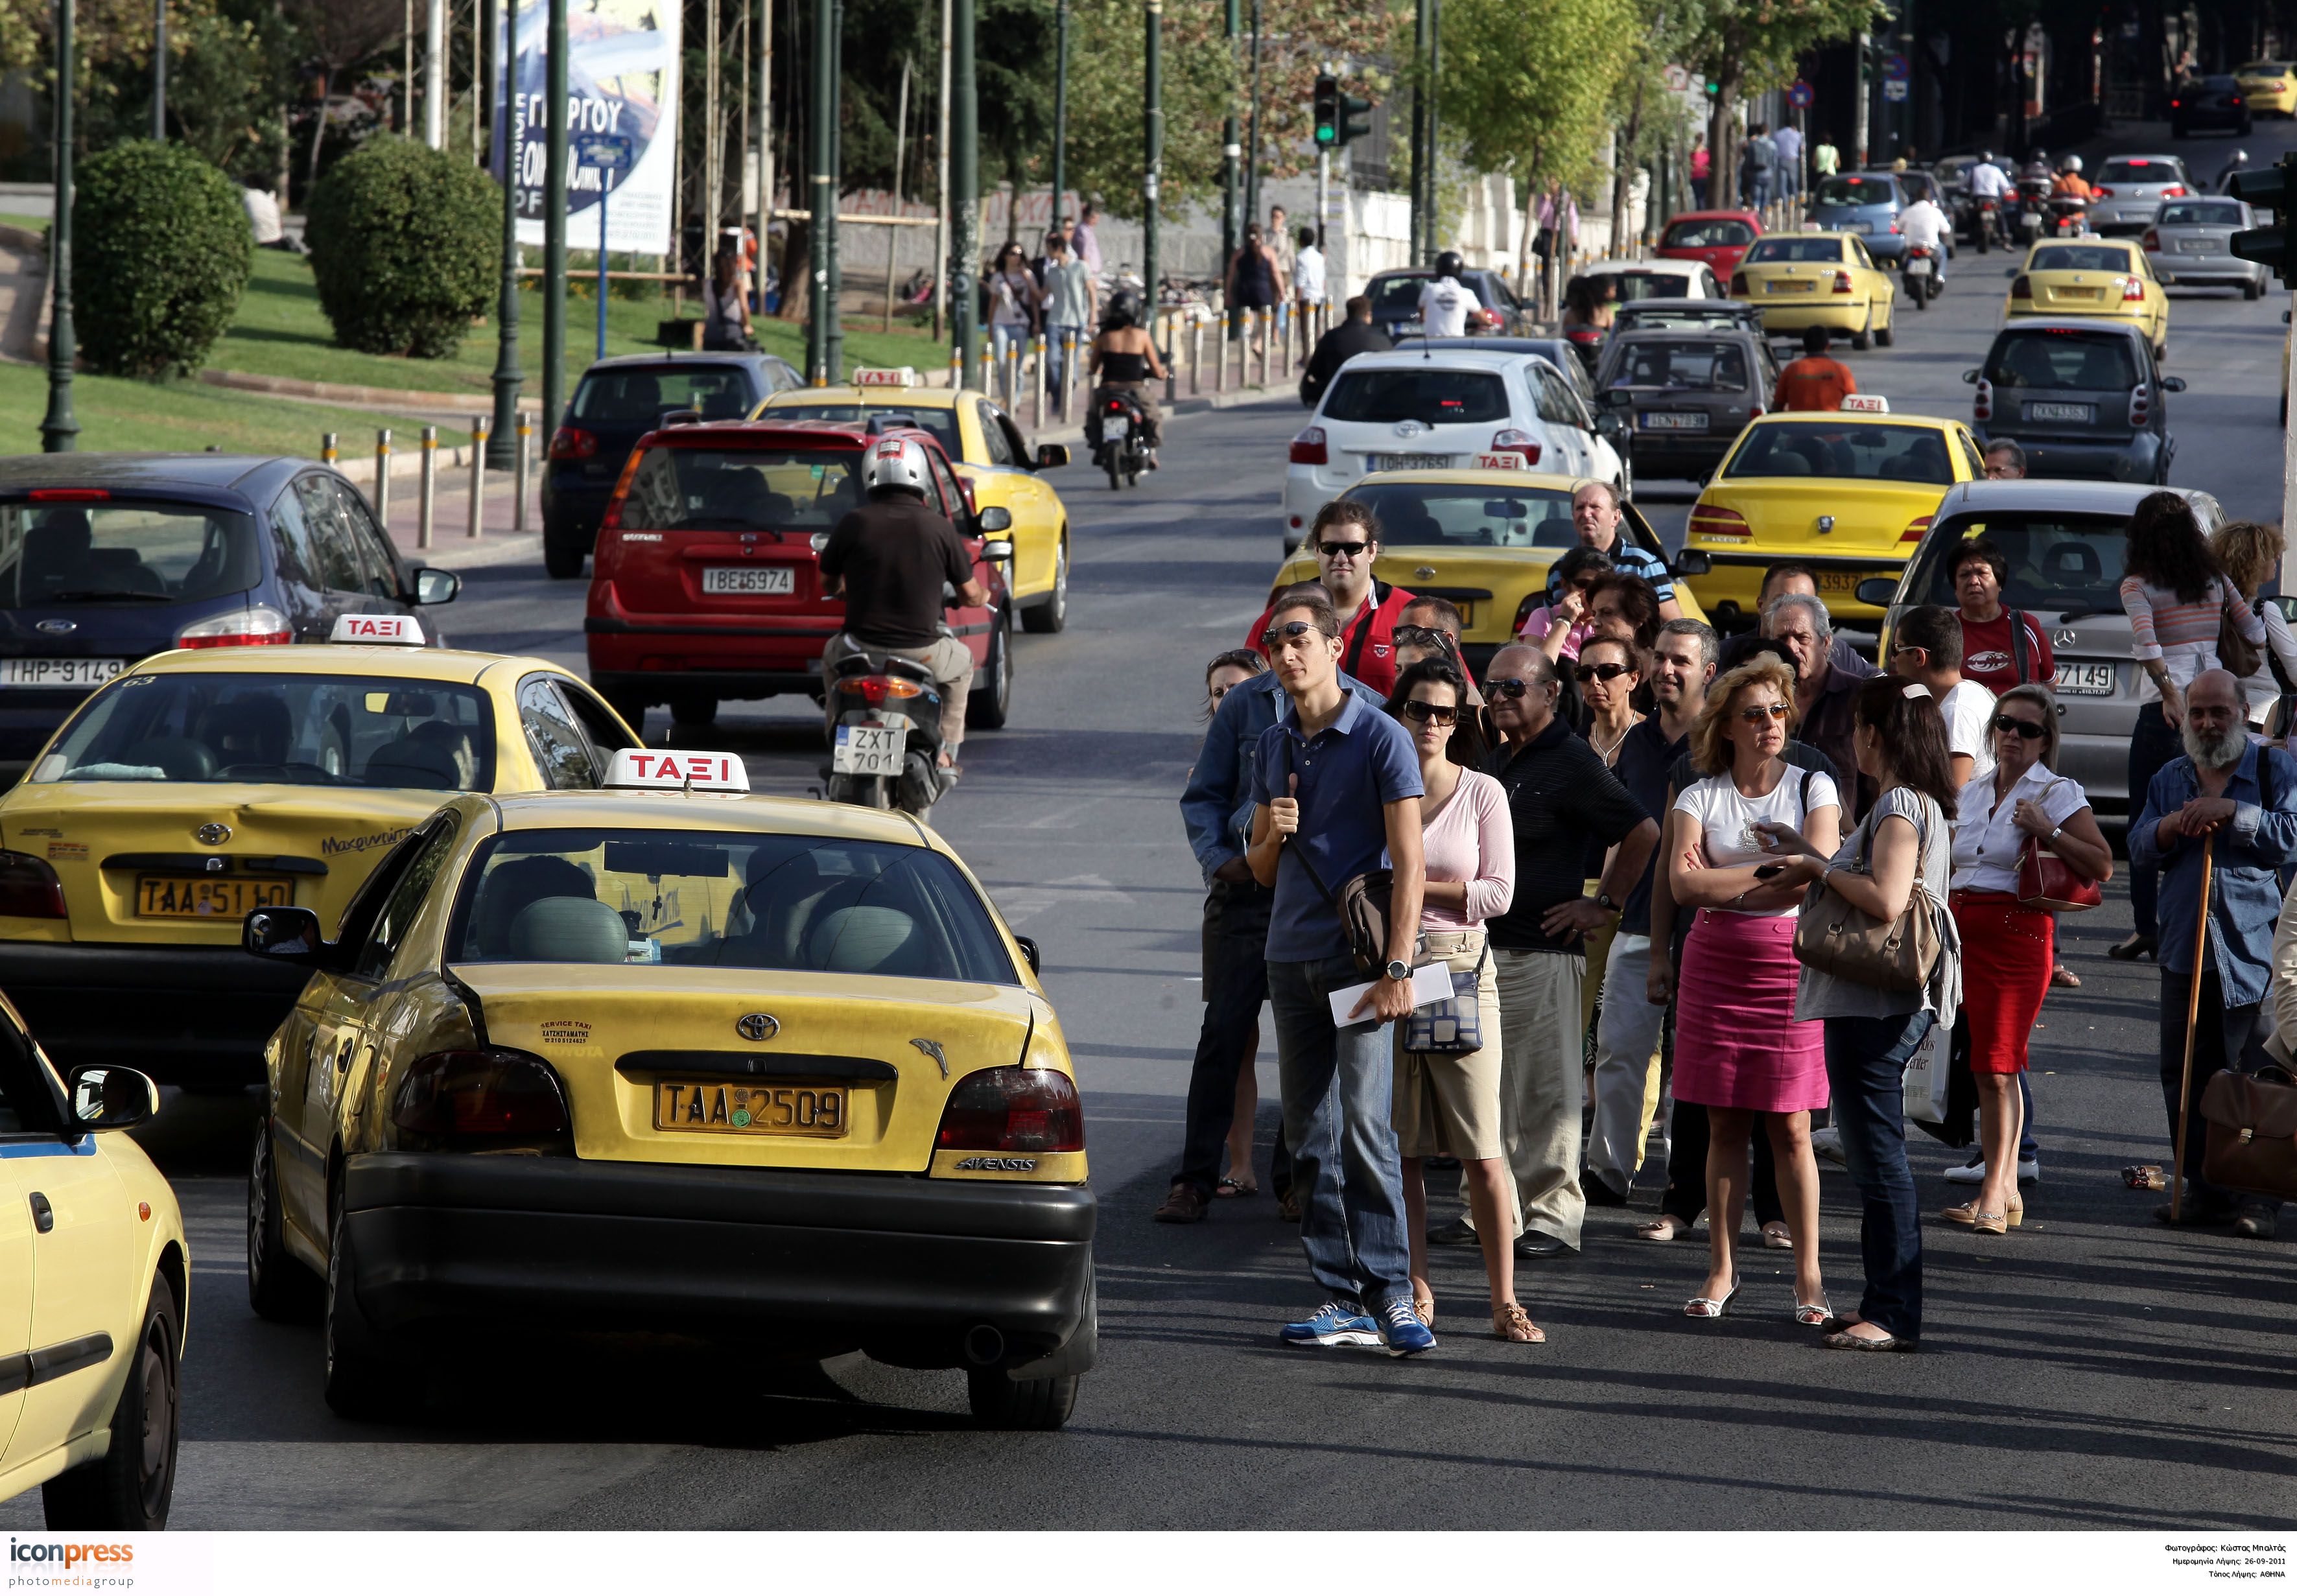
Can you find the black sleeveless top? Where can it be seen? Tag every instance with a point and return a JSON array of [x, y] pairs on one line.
[[1124, 366]]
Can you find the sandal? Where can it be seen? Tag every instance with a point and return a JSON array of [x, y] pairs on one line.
[[2144, 1177], [1510, 1322], [1424, 1309], [1710, 1307], [1667, 1227], [1813, 1314], [1230, 1185], [1842, 1341], [2062, 977], [1778, 1237], [1967, 1213]]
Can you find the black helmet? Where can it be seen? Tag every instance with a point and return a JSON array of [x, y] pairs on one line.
[[1123, 310], [1449, 265]]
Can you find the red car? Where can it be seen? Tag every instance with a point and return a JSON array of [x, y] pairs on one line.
[[1719, 237], [706, 584]]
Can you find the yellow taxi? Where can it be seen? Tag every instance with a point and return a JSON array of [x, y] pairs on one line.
[[94, 1281], [1818, 279], [989, 451], [672, 1059], [200, 784], [2270, 86], [1850, 493], [1483, 539], [2089, 275]]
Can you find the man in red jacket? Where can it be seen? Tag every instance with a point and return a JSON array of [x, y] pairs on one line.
[[1346, 542]]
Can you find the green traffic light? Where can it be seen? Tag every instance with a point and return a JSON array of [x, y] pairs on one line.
[[1326, 133]]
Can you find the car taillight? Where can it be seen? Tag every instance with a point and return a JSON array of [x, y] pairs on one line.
[[2022, 289], [1518, 442], [29, 888], [612, 520], [1013, 1111], [481, 1100], [2233, 100], [2101, 193], [68, 496], [257, 625], [1308, 447], [573, 443], [1914, 529], [1981, 409], [2176, 104], [1712, 520], [2176, 190], [1738, 282], [2141, 406], [1842, 282], [875, 689], [2132, 288], [2151, 242]]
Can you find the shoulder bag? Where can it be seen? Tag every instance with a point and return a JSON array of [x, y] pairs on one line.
[[1454, 1024], [2236, 653], [2045, 881], [1833, 937]]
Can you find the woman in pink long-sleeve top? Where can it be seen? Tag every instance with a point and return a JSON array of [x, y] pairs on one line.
[[1449, 1103]]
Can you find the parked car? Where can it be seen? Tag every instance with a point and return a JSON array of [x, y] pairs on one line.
[[1396, 299], [2081, 397], [2212, 105], [1686, 396], [1691, 315], [1866, 203], [105, 559], [2064, 544], [618, 401], [1718, 237], [2131, 188], [2191, 246]]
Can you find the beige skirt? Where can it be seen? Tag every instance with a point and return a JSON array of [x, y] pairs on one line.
[[1447, 1105]]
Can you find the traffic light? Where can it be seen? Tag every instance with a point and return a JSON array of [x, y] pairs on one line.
[[1714, 88], [1339, 117], [2274, 189]]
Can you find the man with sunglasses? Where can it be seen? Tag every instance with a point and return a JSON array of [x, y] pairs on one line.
[[1602, 525], [1336, 786], [1565, 805], [1347, 541]]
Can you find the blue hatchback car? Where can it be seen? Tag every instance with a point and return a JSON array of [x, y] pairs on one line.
[[105, 559], [1866, 203]]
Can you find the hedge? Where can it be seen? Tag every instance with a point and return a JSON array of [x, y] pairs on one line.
[[405, 244], [160, 255]]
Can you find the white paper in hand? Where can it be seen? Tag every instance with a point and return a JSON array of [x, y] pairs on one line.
[[1430, 983]]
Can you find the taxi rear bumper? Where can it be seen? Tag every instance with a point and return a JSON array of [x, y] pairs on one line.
[[186, 1016], [907, 1268]]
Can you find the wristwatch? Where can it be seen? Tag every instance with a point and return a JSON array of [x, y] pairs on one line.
[[1397, 970], [2056, 832], [1603, 902]]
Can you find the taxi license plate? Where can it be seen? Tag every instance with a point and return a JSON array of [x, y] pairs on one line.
[[1845, 582], [1409, 462], [870, 750], [2077, 293], [58, 673], [208, 897], [1789, 285], [1676, 420], [731, 1109], [748, 579], [2057, 412], [2094, 681]]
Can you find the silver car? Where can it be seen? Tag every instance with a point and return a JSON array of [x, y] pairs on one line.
[[2063, 541], [2192, 246], [2132, 188]]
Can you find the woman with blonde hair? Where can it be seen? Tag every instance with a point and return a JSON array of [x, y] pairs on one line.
[[1739, 1051], [2250, 552]]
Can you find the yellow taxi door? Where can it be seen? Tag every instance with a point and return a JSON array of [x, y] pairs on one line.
[[15, 1280], [1011, 476]]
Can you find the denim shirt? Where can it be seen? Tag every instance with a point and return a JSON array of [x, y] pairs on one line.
[[2244, 892], [1216, 805]]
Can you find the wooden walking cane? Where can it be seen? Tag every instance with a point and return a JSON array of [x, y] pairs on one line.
[[2193, 1020]]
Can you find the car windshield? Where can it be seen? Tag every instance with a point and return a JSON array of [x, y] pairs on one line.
[[2080, 258], [2054, 357], [1680, 365], [121, 551], [1842, 448], [2139, 170], [1644, 285], [1427, 393], [643, 394], [745, 490], [1824, 251], [1855, 191], [941, 423], [336, 731], [1725, 314], [735, 900], [1463, 515], [2057, 561], [1712, 233], [1396, 296], [2201, 213]]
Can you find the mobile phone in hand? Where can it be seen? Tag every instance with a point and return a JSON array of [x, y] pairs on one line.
[[1765, 872]]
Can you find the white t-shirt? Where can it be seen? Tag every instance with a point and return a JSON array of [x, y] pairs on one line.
[[1987, 843], [1308, 275], [1444, 306], [1727, 816], [1968, 711], [1924, 224], [1988, 181]]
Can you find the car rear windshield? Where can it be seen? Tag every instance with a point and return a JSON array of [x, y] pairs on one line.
[[1688, 365], [1418, 392], [2201, 213], [328, 731], [1714, 233], [1645, 285], [2139, 170], [735, 900], [2057, 561], [121, 551], [2080, 258], [1461, 515], [941, 422], [1824, 251], [1856, 190], [640, 395], [1726, 313], [1842, 448], [2052, 358], [761, 490]]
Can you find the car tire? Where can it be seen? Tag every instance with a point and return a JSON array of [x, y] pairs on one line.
[[1000, 1403], [358, 1384], [1863, 339], [2251, 289], [991, 699], [131, 1485], [1886, 335], [1052, 614], [563, 564], [693, 709], [279, 1287]]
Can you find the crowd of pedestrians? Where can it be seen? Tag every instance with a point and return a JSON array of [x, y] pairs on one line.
[[1641, 895]]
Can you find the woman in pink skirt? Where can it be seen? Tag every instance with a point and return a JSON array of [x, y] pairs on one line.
[[1739, 1051]]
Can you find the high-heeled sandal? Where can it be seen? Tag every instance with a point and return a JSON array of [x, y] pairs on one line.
[[1968, 1214], [1510, 1322], [1710, 1307], [1424, 1309], [1813, 1314]]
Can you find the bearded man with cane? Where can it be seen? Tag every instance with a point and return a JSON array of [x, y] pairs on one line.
[[2220, 823]]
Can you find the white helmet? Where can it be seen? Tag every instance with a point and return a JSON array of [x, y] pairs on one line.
[[2074, 163], [895, 462]]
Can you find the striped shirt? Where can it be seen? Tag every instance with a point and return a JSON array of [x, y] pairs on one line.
[[2184, 636]]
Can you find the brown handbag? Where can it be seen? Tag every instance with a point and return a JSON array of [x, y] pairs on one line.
[[2236, 653], [2249, 1130], [2045, 881], [1852, 945]]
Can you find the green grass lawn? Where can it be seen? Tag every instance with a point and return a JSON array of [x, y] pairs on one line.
[[116, 413], [32, 223]]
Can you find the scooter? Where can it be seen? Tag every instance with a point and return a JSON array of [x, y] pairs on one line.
[[1118, 432], [2033, 207], [885, 738], [1920, 270], [1989, 229], [2069, 216]]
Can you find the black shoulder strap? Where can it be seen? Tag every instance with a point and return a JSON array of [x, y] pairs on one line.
[[1302, 853], [1379, 592], [2018, 644]]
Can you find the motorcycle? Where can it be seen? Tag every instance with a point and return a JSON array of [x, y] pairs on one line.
[[2033, 207], [1118, 435], [2068, 217], [886, 748], [1922, 270], [1988, 230]]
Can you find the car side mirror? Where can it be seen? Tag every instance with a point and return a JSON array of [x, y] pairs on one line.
[[292, 935], [997, 549], [1029, 952], [1612, 426], [2286, 602], [2173, 384], [1880, 591], [109, 1098], [996, 518], [1052, 457], [1970, 375], [1692, 561], [434, 586]]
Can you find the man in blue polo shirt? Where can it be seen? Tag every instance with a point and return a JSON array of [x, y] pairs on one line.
[[1602, 525], [1335, 791]]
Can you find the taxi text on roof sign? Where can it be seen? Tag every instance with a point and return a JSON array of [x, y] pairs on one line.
[[403, 630], [1871, 403], [886, 377], [664, 771]]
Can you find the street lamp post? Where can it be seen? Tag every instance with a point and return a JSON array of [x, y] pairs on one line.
[[1252, 133], [1231, 150], [1060, 109], [833, 335], [1420, 225], [964, 193], [159, 70], [553, 224], [821, 310], [502, 441], [1152, 139], [58, 432]]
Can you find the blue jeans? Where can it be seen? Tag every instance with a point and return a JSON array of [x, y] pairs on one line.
[[2154, 742], [1338, 1086], [1055, 362], [1865, 1066]]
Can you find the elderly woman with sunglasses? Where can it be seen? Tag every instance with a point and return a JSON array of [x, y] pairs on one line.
[[2020, 802], [1448, 1104]]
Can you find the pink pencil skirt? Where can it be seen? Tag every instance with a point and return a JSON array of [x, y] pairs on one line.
[[1737, 1043]]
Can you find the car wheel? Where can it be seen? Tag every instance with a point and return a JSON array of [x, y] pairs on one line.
[[1053, 614], [130, 1487], [1000, 1403], [1887, 334], [278, 1287], [991, 700], [693, 709], [359, 1383], [2251, 289], [563, 563], [1863, 339]]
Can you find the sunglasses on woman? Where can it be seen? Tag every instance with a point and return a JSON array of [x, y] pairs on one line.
[[1423, 712], [1602, 672], [2029, 729], [1755, 714]]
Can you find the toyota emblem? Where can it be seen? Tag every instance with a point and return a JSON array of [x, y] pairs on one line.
[[1410, 428], [757, 1027], [213, 833]]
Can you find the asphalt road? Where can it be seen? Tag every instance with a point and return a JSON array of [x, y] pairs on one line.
[[2091, 1370]]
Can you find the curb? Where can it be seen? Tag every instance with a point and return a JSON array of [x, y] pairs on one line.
[[359, 397], [459, 552]]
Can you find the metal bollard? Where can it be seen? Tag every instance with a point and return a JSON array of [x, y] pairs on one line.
[[478, 430], [1068, 372], [430, 484], [1220, 355], [956, 368], [518, 487], [1267, 343], [382, 476], [327, 449], [1038, 383], [1172, 364], [1196, 357]]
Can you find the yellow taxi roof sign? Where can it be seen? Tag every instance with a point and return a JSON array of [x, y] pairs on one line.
[[651, 769], [1867, 404], [886, 377], [401, 631]]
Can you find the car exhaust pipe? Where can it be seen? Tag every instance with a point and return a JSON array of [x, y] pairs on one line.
[[984, 1345]]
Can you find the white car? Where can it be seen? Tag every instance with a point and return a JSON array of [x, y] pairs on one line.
[[1433, 410], [1660, 279]]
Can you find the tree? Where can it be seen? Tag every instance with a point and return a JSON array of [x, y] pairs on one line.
[[164, 257], [337, 34], [1752, 44], [403, 248]]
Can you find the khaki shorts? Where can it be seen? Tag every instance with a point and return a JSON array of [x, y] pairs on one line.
[[1447, 1105]]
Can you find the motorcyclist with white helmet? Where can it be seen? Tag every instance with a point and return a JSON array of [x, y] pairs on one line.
[[1445, 301], [1987, 180], [889, 556], [1124, 359]]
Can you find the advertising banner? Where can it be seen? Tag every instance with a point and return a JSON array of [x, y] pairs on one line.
[[622, 79]]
